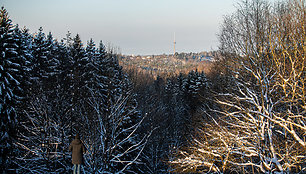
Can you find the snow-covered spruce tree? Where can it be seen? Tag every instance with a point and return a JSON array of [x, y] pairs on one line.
[[43, 128], [79, 71], [52, 63], [24, 42], [45, 65], [89, 77], [40, 60], [263, 123], [102, 74], [193, 84], [64, 83], [169, 115], [152, 106], [91, 54], [50, 83], [9, 89], [176, 118], [177, 109], [195, 87], [181, 112], [112, 121]]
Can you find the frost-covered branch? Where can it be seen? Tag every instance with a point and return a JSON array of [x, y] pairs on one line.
[[262, 122], [114, 145]]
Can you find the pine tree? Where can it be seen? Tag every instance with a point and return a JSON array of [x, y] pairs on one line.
[[91, 53], [193, 85], [25, 58], [101, 63], [52, 60], [78, 61], [44, 126], [9, 89], [24, 43]]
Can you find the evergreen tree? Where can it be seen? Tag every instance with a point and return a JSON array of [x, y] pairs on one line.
[[193, 85], [79, 72], [24, 43], [52, 59], [25, 58], [91, 54], [102, 77], [10, 89], [39, 51], [44, 128]]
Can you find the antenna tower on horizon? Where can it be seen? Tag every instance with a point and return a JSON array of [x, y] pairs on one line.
[[174, 42]]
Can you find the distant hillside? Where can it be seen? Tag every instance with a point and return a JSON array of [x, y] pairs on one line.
[[168, 65]]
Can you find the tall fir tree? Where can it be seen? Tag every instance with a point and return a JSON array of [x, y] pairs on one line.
[[10, 89], [24, 42], [91, 54]]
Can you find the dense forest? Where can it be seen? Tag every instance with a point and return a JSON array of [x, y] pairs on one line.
[[247, 114]]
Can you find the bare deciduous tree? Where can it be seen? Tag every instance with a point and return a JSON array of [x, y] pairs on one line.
[[263, 124]]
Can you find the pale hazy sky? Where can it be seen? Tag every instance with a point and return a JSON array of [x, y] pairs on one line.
[[136, 26]]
